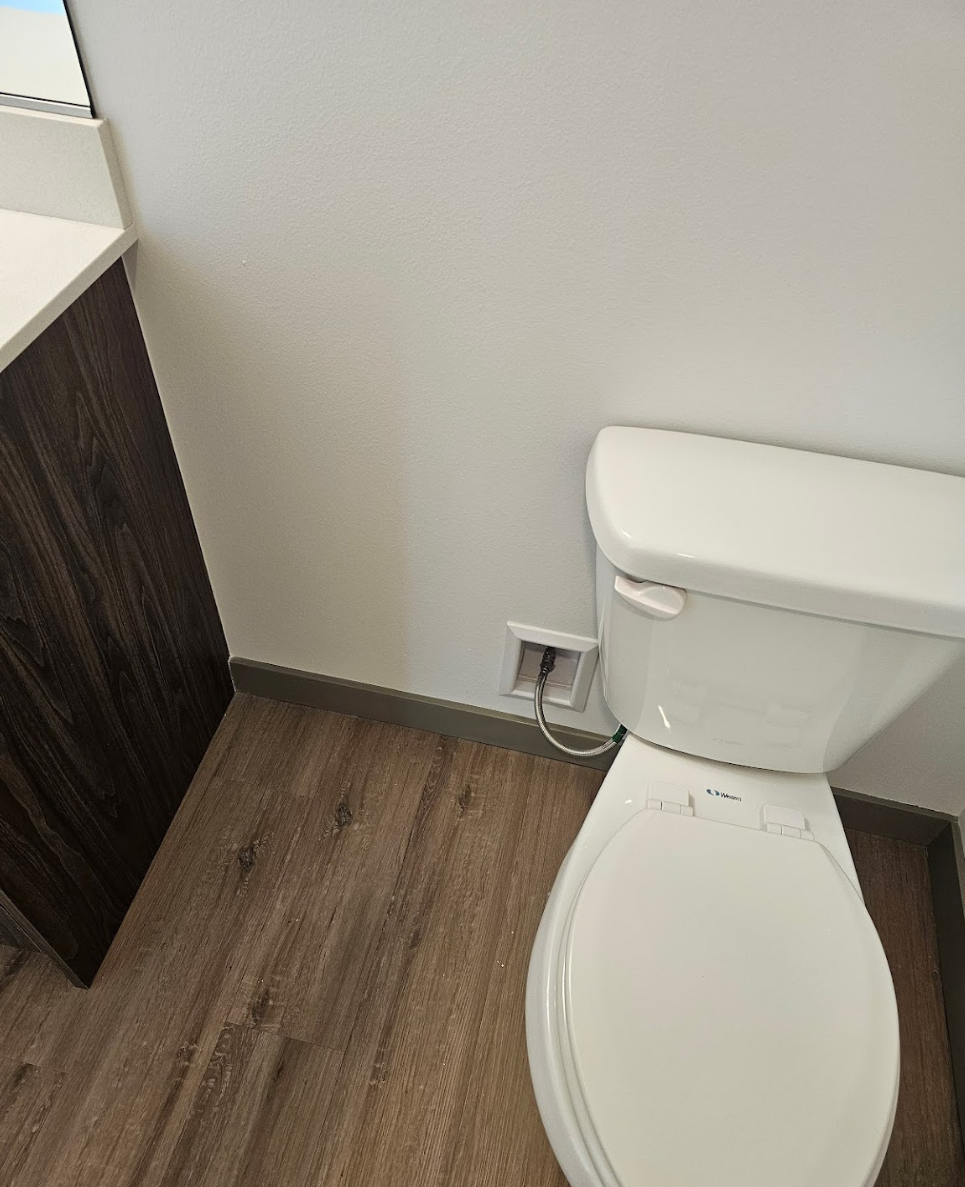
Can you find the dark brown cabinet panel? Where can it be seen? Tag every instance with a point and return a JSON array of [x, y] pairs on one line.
[[113, 665], [15, 931]]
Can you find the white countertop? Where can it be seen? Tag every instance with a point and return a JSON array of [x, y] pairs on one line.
[[45, 264], [64, 218]]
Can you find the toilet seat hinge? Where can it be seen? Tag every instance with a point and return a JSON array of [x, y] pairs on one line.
[[787, 822], [669, 797]]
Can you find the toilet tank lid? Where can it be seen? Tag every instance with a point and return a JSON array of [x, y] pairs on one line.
[[848, 539]]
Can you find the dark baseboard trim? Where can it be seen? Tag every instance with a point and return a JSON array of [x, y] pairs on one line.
[[863, 812], [404, 708], [885, 818]]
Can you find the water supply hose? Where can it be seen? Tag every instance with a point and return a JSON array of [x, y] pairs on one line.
[[547, 663]]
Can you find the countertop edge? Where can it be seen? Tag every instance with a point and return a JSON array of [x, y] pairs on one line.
[[35, 324]]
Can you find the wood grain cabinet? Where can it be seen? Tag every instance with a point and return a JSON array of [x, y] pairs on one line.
[[113, 665]]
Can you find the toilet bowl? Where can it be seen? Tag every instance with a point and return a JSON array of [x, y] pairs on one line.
[[708, 1001]]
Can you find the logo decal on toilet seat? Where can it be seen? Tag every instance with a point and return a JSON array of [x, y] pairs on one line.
[[724, 795]]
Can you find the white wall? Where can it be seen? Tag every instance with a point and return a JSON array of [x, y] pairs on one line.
[[400, 261]]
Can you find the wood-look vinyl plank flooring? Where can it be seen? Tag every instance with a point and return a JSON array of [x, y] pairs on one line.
[[926, 1146], [27, 1094], [321, 979]]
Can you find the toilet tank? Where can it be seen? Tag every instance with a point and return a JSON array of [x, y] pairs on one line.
[[769, 607]]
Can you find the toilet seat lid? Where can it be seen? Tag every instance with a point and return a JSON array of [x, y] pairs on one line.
[[729, 1012]]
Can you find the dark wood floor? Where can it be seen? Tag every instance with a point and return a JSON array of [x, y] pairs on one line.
[[321, 979], [926, 1146]]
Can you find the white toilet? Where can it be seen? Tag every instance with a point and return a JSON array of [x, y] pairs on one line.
[[708, 1001]]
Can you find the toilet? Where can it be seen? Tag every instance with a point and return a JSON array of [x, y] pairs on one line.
[[708, 1002]]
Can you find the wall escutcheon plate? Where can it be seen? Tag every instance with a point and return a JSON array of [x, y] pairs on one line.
[[569, 682]]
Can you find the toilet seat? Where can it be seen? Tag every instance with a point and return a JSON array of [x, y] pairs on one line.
[[727, 1012]]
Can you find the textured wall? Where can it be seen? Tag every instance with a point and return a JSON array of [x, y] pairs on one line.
[[400, 261]]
